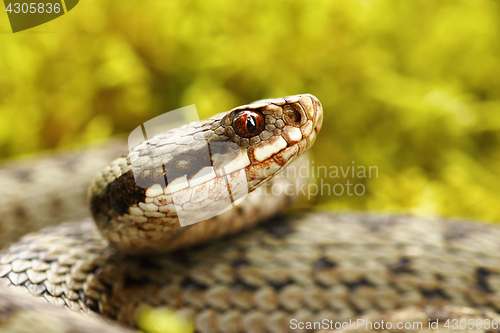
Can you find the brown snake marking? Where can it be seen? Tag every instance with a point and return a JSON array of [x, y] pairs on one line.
[[309, 267]]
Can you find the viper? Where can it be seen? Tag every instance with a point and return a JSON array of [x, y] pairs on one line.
[[176, 224]]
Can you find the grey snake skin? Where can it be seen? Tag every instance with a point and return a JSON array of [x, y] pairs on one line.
[[301, 268]]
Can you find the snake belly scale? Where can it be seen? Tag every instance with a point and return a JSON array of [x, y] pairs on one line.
[[308, 267]]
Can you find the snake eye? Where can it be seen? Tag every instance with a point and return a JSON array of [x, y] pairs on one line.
[[248, 124]]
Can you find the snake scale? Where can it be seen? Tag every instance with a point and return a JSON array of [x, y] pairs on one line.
[[280, 276]]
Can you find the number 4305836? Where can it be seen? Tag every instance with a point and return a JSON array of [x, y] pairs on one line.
[[33, 8]]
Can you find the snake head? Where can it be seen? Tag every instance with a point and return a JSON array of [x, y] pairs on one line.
[[199, 171], [281, 129]]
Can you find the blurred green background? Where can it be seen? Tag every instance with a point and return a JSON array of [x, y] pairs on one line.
[[412, 87]]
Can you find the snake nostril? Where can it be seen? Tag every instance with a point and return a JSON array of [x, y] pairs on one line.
[[292, 115]]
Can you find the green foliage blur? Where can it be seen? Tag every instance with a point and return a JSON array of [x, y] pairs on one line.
[[412, 87]]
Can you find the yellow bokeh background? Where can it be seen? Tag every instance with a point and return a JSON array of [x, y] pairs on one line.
[[411, 87]]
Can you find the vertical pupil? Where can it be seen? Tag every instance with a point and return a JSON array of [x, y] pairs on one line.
[[251, 124]]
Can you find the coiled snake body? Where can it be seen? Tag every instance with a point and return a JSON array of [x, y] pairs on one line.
[[302, 269]]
